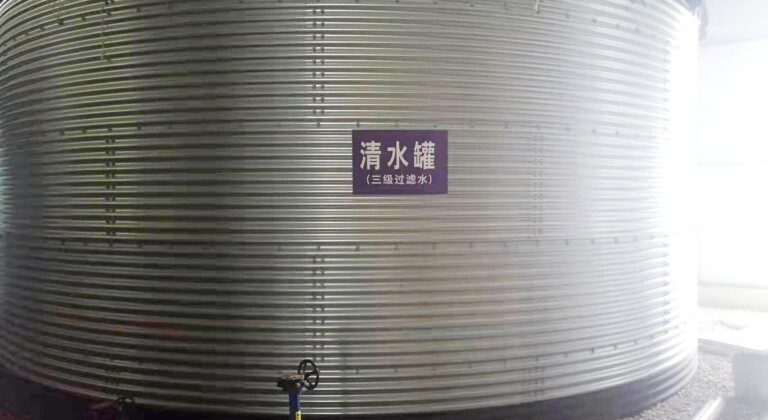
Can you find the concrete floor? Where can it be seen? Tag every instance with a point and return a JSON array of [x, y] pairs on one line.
[[714, 377], [712, 380]]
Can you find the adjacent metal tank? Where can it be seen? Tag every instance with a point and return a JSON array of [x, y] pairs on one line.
[[179, 223]]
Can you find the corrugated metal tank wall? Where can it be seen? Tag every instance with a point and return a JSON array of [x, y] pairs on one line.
[[180, 224]]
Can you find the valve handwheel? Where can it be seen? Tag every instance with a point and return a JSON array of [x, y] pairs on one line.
[[310, 374], [306, 378]]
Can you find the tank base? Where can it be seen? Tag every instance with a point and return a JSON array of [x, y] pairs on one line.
[[24, 398]]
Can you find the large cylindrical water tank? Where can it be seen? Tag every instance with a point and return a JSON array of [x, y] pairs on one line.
[[179, 221]]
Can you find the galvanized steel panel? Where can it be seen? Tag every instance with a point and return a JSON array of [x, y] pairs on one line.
[[179, 222]]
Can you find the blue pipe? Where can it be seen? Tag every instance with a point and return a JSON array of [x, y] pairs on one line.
[[294, 405]]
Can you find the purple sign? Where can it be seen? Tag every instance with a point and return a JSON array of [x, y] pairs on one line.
[[400, 161]]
